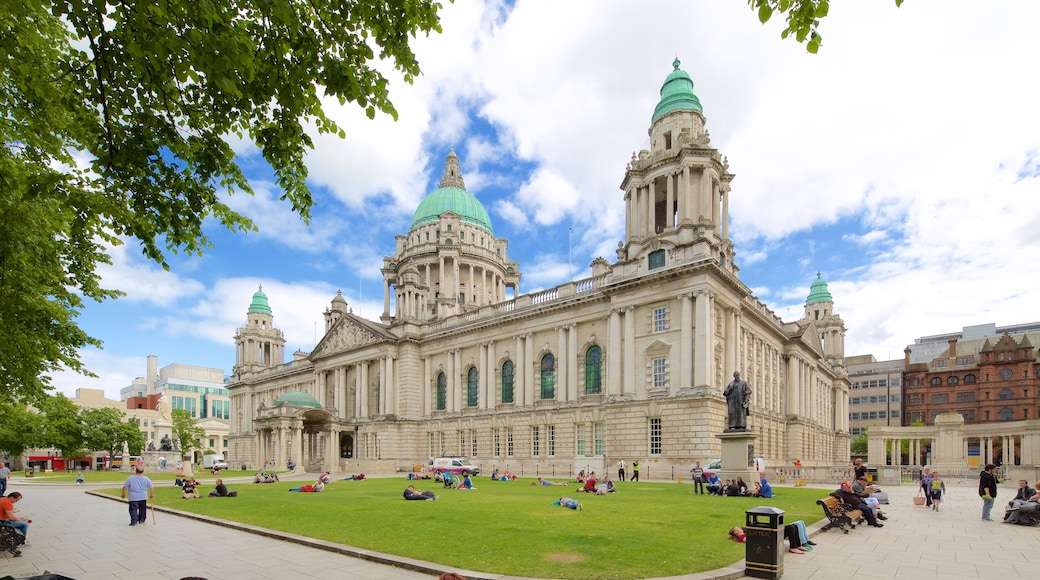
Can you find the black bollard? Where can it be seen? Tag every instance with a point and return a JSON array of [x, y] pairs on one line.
[[764, 556]]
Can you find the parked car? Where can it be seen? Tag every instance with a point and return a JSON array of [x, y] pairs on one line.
[[713, 467], [454, 465]]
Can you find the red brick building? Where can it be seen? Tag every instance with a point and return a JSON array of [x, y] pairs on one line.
[[986, 380]]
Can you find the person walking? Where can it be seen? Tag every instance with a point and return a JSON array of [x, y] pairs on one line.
[[697, 474], [635, 470], [926, 485], [5, 472], [988, 490], [621, 469], [938, 489], [140, 489]]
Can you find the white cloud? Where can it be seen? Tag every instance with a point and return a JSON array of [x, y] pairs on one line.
[[143, 280]]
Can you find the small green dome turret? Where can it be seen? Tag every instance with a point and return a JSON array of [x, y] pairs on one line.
[[260, 304], [676, 94], [818, 291]]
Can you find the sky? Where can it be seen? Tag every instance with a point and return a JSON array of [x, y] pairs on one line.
[[902, 163]]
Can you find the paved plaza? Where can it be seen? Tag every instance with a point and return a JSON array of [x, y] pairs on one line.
[[84, 537]]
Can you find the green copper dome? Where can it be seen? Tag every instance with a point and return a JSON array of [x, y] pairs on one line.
[[297, 398], [818, 291], [260, 304], [677, 94], [451, 196]]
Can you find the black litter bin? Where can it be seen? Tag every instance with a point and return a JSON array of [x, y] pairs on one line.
[[764, 557]]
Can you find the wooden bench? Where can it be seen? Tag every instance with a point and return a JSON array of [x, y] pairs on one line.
[[838, 515], [10, 539]]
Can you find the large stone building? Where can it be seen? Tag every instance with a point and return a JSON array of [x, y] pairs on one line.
[[629, 363]]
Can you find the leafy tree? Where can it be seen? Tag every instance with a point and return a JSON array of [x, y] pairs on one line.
[[859, 443], [20, 429], [62, 427], [115, 125], [185, 431], [106, 429], [803, 18]]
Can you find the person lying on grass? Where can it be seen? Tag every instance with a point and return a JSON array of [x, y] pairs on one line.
[[547, 482], [411, 493], [567, 502]]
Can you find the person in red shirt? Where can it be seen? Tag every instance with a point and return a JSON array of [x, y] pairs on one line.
[[8, 516]]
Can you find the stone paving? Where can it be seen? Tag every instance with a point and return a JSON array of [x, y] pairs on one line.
[[85, 537]]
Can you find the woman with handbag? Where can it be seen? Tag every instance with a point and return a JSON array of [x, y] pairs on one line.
[[926, 487]]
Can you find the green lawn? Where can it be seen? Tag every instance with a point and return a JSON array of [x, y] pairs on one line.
[[120, 476], [645, 530]]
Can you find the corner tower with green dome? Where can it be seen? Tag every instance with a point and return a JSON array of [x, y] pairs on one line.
[[677, 192], [450, 261], [258, 344], [819, 309]]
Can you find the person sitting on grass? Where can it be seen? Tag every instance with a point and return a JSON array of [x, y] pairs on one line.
[[79, 478], [581, 477], [188, 491], [606, 486], [221, 490], [542, 481], [763, 489], [466, 482], [567, 502], [410, 493], [590, 485]]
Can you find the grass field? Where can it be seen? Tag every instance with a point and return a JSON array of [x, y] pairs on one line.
[[645, 530], [120, 476]]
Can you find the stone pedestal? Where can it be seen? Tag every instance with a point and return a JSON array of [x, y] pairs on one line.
[[738, 452]]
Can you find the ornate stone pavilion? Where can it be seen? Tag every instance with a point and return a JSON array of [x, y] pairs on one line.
[[627, 364]]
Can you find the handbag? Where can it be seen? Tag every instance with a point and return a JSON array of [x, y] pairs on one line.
[[919, 498]]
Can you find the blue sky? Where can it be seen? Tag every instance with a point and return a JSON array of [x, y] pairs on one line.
[[902, 162]]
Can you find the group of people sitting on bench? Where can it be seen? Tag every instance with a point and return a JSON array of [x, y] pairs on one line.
[[1024, 509]]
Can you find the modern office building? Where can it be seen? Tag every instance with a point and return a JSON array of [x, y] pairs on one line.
[[627, 364], [200, 391], [875, 395]]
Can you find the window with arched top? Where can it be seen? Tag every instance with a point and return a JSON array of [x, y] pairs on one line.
[[507, 381], [1006, 414], [442, 392], [936, 381], [969, 379], [471, 387], [593, 371], [1005, 394], [953, 381], [548, 376]]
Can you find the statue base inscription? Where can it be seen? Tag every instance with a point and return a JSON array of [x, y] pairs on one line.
[[738, 455]]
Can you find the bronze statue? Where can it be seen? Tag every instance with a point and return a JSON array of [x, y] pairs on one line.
[[166, 444], [738, 397]]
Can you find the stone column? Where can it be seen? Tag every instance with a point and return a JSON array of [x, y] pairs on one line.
[[489, 382], [391, 391], [725, 211], [386, 298], [670, 201], [613, 378], [629, 385], [576, 363], [453, 380], [685, 340], [651, 194], [703, 347], [519, 383], [364, 411], [531, 369]]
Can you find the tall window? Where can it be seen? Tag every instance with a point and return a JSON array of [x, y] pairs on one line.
[[495, 436], [579, 438], [660, 373], [442, 392], [473, 443], [1005, 394], [548, 379], [462, 443], [550, 439], [593, 371], [535, 443], [598, 441], [432, 445], [509, 441], [507, 381], [660, 319], [471, 387], [1006, 414], [655, 436]]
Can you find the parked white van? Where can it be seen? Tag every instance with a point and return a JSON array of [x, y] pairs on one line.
[[455, 465]]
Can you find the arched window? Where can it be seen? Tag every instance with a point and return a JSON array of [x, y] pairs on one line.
[[1005, 414], [507, 381], [593, 371], [471, 387], [1006, 394], [936, 381], [952, 381], [969, 379], [547, 378], [442, 392]]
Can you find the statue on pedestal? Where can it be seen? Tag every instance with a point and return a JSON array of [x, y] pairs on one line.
[[166, 444], [738, 398]]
